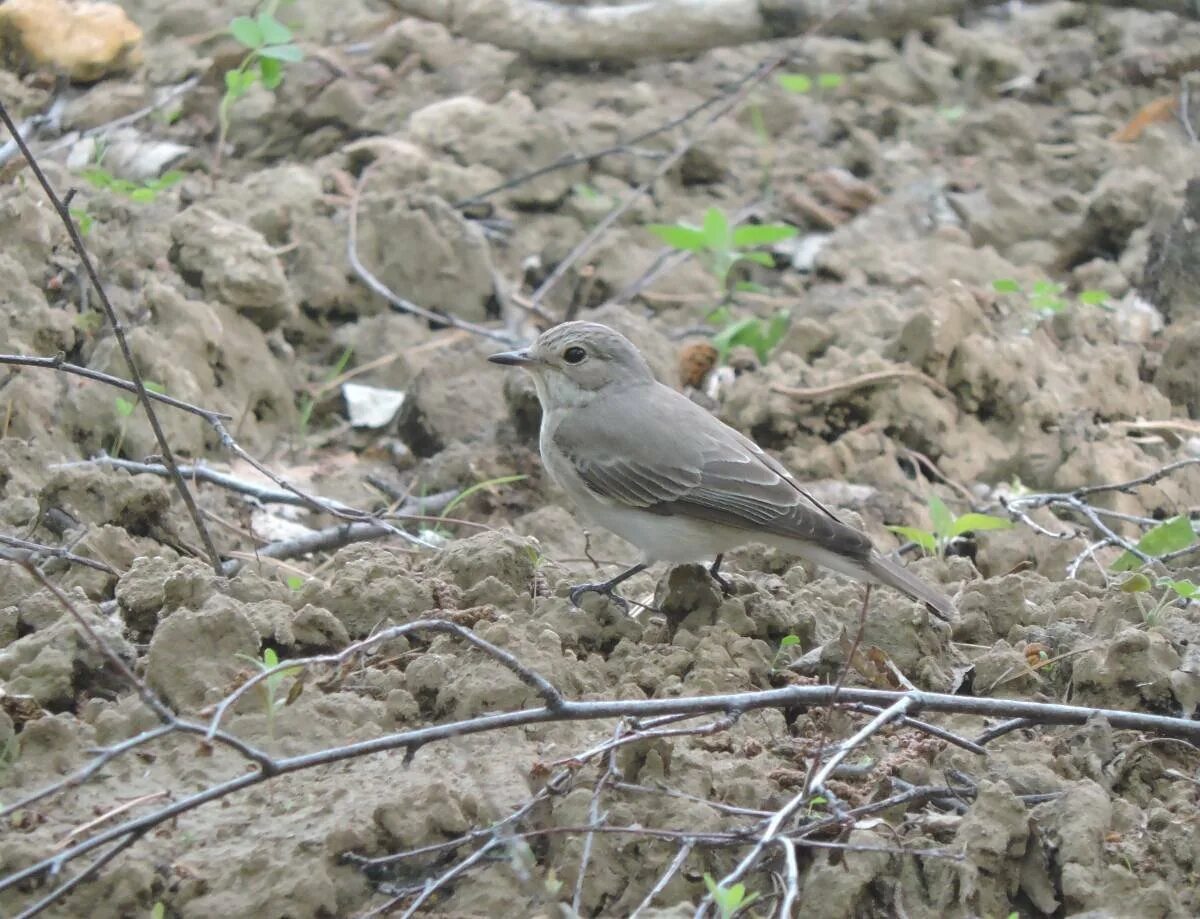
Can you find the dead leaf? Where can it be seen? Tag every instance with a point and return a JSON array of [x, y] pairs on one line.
[[1160, 109]]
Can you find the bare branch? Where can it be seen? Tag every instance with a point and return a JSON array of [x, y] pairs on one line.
[[118, 329]]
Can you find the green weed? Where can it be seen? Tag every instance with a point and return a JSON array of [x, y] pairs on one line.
[[1169, 536], [271, 685], [309, 402], [269, 46], [760, 334], [125, 409], [140, 192], [803, 83], [947, 527], [729, 900], [788, 641], [1047, 298], [720, 246]]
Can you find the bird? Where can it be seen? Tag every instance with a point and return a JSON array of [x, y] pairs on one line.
[[644, 461]]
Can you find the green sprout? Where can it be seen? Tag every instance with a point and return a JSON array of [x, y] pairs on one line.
[[947, 527], [271, 685], [295, 582], [729, 900], [125, 409], [84, 220], [1046, 298], [269, 46], [803, 83], [721, 246], [140, 192], [788, 641], [760, 334], [1173, 590], [309, 402], [1169, 536]]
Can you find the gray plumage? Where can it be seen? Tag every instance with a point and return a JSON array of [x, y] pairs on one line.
[[649, 464]]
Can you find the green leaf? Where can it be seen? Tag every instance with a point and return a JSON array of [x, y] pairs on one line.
[[679, 236], [246, 31], [168, 178], [977, 523], [1170, 536], [124, 406], [777, 327], [1135, 584], [733, 334], [98, 178], [720, 316], [1185, 588], [295, 582], [744, 237], [923, 539], [830, 80], [795, 82], [238, 81], [759, 258], [716, 230], [290, 53], [84, 219], [272, 30], [271, 72], [142, 195], [943, 520], [1006, 286], [788, 641], [270, 658], [1047, 288], [1093, 297]]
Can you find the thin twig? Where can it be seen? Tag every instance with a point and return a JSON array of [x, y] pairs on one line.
[[36, 549], [59, 362], [733, 96], [398, 302], [818, 393], [665, 878], [118, 330]]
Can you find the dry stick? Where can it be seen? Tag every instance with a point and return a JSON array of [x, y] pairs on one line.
[[391, 296], [789, 697], [578, 159], [595, 818], [781, 816], [36, 548], [119, 334], [815, 393], [261, 493], [792, 887], [67, 886], [933, 730], [731, 99], [59, 362], [665, 878]]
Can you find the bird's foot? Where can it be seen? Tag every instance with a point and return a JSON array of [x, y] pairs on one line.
[[607, 588], [723, 582]]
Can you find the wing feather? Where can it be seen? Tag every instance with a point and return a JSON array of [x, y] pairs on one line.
[[702, 469]]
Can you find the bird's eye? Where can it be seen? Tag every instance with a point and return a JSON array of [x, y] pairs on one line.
[[574, 355]]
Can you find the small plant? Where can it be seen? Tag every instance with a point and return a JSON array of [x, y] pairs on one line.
[[803, 83], [1173, 590], [295, 582], [125, 409], [729, 900], [269, 46], [141, 192], [1169, 536], [83, 219], [788, 641], [309, 401], [760, 334], [947, 527], [721, 246], [271, 685], [1046, 298]]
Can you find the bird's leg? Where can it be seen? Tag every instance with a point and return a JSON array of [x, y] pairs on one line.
[[724, 583], [607, 587]]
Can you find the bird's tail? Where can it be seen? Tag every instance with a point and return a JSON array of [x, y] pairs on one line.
[[896, 576]]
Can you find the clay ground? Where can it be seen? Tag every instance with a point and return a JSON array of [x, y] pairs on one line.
[[926, 170]]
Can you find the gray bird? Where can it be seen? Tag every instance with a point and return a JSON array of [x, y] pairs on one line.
[[647, 463]]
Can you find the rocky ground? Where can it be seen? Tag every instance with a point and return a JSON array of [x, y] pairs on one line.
[[1005, 148]]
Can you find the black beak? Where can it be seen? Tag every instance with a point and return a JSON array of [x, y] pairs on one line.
[[520, 358]]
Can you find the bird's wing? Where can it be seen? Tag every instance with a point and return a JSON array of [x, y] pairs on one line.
[[670, 456]]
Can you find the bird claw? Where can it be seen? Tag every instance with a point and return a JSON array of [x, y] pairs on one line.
[[579, 590]]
